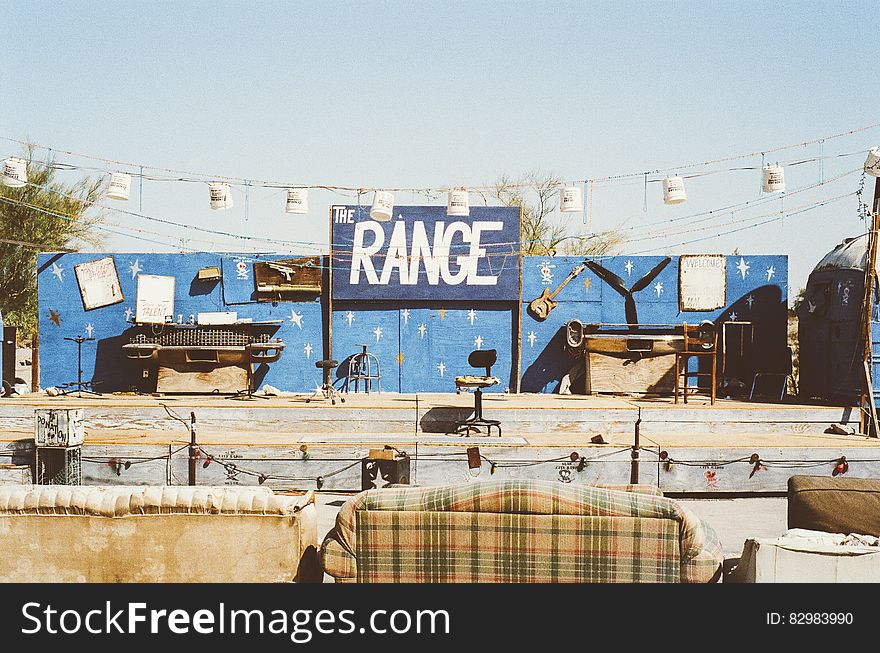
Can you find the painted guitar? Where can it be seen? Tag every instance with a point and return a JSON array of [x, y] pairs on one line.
[[541, 307]]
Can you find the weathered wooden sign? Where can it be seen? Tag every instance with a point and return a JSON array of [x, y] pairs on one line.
[[702, 282], [155, 299], [422, 253], [98, 283]]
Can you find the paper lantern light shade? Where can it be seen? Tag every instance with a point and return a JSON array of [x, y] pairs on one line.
[[119, 187], [872, 163], [571, 200], [297, 200], [673, 190], [774, 179], [221, 195], [383, 206], [457, 203], [14, 172]]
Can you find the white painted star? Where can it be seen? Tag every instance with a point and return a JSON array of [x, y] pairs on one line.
[[811, 307], [378, 333], [441, 368], [58, 271], [422, 330], [658, 288], [405, 315], [478, 342], [296, 319], [90, 329], [135, 267], [128, 314], [750, 300], [349, 317], [629, 268], [307, 350], [532, 337], [770, 272], [732, 316], [472, 315], [743, 267]]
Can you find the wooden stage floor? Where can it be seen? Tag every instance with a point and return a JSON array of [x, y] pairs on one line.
[[292, 443]]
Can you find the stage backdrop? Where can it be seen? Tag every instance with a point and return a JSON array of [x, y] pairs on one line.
[[755, 289], [62, 314], [424, 290]]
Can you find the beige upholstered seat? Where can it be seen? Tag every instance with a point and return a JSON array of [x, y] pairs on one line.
[[155, 534]]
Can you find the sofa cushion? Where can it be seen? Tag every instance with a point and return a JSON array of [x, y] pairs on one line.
[[834, 505]]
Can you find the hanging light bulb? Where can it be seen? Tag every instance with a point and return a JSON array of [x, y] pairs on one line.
[[383, 206], [119, 187], [221, 195], [457, 203], [14, 172], [297, 200], [774, 179], [673, 190], [571, 200], [872, 163]]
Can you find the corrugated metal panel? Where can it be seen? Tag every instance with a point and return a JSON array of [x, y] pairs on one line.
[[850, 254]]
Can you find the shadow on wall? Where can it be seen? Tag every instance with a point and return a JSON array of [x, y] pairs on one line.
[[768, 313], [113, 371], [549, 367]]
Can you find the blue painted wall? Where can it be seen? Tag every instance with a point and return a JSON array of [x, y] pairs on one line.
[[757, 291], [61, 315], [421, 345], [423, 348]]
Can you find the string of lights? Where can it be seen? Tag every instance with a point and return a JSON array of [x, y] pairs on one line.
[[183, 175]]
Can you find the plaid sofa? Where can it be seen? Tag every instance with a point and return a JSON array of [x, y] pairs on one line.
[[519, 532]]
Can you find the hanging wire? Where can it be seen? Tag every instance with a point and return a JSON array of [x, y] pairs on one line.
[[198, 176]]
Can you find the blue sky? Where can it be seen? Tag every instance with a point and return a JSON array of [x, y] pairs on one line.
[[373, 94]]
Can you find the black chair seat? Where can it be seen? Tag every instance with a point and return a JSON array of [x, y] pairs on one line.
[[326, 364]]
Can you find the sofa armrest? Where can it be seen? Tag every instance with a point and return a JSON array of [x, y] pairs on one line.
[[336, 560]]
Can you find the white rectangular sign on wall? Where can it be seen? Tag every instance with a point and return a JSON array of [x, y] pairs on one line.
[[98, 283], [155, 299], [702, 282]]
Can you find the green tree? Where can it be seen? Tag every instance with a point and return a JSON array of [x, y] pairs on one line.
[[536, 194], [45, 215]]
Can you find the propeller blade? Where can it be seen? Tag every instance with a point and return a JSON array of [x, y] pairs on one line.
[[642, 283], [632, 317], [609, 277]]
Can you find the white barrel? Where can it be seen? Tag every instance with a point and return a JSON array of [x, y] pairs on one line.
[[872, 163], [774, 179], [221, 195], [119, 187], [673, 190], [458, 204], [383, 206], [297, 200], [14, 172], [571, 200]]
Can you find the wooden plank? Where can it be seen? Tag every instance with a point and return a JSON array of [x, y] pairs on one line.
[[645, 375]]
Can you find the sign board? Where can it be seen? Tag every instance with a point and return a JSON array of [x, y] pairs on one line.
[[702, 282], [155, 299], [424, 254], [98, 283], [58, 427]]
